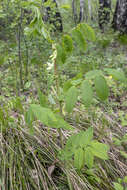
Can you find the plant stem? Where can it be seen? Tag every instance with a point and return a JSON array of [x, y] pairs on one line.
[[68, 179], [19, 49], [58, 93]]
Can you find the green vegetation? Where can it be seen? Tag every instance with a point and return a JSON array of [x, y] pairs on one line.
[[63, 101]]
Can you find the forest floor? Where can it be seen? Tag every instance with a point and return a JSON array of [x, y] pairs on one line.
[[28, 155]]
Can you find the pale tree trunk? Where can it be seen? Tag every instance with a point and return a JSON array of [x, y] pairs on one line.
[[104, 13], [81, 15], [120, 16], [90, 9], [74, 10]]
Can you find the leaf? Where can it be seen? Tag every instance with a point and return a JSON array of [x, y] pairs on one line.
[[79, 158], [118, 186], [101, 87], [67, 85], [86, 93], [116, 74], [42, 99], [73, 142], [87, 31], [92, 74], [65, 6], [79, 39], [85, 137], [48, 118], [76, 82], [61, 54], [65, 154], [45, 115], [61, 123], [71, 98], [124, 154], [125, 179], [89, 158], [81, 139], [99, 150], [67, 43], [29, 118]]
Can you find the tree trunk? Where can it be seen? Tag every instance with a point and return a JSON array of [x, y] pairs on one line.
[[74, 10], [81, 15], [120, 16], [90, 9], [104, 13], [54, 17]]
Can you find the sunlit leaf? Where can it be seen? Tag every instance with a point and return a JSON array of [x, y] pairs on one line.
[[79, 39], [89, 157], [79, 158], [86, 93], [99, 150], [101, 87], [71, 98]]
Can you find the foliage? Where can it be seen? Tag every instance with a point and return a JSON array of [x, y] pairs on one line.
[[84, 149], [54, 87]]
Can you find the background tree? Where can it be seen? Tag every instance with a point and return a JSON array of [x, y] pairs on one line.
[[53, 16], [81, 14], [104, 13], [120, 16], [74, 10]]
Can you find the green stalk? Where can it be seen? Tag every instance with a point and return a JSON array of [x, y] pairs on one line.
[[69, 181], [58, 93]]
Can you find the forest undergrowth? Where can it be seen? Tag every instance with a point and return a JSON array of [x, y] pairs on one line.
[[30, 151]]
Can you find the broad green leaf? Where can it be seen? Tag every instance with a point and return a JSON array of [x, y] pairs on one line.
[[89, 157], [48, 118], [101, 87], [99, 150], [85, 137], [71, 98], [125, 179], [45, 115], [42, 99], [61, 54], [73, 142], [78, 76], [92, 74], [79, 39], [67, 43], [65, 154], [76, 82], [117, 74], [118, 186], [61, 123], [67, 85], [87, 31], [86, 93], [29, 117], [124, 154], [81, 139], [79, 158]]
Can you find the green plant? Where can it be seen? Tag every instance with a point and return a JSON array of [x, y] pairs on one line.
[[81, 149], [119, 185], [94, 80]]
